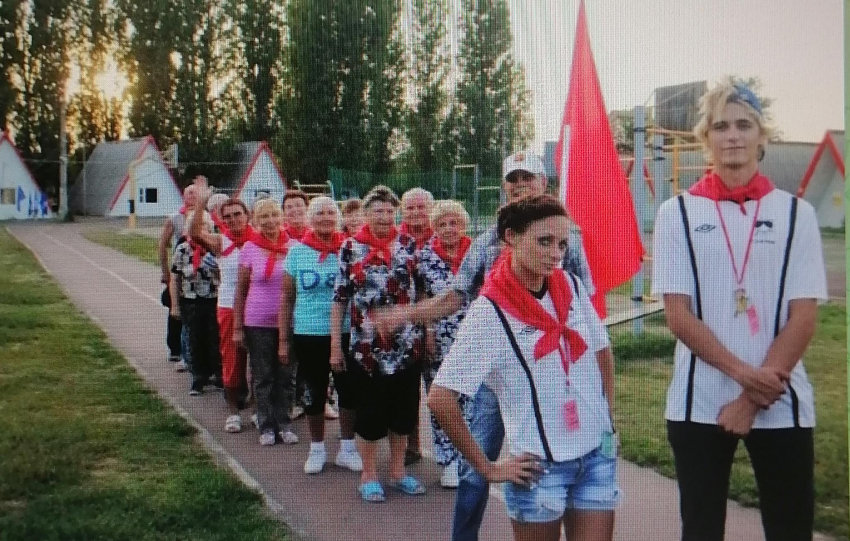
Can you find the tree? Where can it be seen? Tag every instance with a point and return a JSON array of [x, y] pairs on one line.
[[149, 33], [342, 93], [46, 29], [11, 55], [490, 116], [426, 113], [90, 109], [258, 59]]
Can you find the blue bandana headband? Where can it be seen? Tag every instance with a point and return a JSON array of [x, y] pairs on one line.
[[746, 95]]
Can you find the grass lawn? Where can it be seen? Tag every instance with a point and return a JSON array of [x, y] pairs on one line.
[[88, 452], [641, 394], [134, 244]]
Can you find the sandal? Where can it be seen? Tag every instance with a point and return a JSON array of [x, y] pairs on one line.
[[372, 491], [409, 485]]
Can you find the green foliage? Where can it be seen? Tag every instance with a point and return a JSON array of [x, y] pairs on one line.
[[491, 117]]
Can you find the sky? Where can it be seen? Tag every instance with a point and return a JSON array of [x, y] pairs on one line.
[[794, 46]]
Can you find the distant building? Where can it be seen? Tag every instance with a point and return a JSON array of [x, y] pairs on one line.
[[822, 184], [20, 196], [103, 186], [256, 174]]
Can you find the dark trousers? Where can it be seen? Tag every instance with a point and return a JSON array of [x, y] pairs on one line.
[[274, 388], [173, 327], [783, 463], [199, 315]]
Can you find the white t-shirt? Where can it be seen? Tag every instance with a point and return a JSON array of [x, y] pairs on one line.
[[805, 279], [482, 353], [229, 267]]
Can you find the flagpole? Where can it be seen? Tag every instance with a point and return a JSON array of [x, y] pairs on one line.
[[565, 162], [639, 191]]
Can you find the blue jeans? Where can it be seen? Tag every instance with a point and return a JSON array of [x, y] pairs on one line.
[[473, 490]]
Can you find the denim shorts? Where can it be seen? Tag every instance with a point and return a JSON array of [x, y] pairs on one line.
[[588, 483]]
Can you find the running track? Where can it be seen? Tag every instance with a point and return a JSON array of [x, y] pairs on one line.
[[121, 295]]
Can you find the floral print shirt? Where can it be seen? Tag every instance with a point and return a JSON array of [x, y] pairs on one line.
[[365, 285], [438, 277]]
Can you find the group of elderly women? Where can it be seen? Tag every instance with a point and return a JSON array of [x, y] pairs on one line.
[[283, 295]]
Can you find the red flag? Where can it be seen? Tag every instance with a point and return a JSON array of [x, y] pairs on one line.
[[598, 195]]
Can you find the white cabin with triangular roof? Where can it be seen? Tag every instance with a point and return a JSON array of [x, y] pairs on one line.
[[20, 196], [823, 183], [103, 186]]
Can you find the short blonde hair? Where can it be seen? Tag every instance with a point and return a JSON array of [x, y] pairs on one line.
[[260, 205], [448, 206], [711, 106], [317, 202], [216, 200]]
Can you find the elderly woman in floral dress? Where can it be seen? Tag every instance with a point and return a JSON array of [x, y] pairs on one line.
[[439, 260]]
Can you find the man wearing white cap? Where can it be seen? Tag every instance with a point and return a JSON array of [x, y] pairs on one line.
[[523, 176]]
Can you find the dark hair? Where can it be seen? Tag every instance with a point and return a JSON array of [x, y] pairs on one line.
[[294, 194], [234, 201], [517, 216], [380, 193], [351, 205]]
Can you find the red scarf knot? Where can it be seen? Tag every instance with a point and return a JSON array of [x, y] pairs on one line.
[[420, 239], [712, 187], [452, 262], [237, 239], [324, 247], [504, 288], [275, 248], [198, 253], [379, 248]]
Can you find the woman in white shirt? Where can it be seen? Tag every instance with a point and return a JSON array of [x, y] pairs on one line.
[[532, 337]]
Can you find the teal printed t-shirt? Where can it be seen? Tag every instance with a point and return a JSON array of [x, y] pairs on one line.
[[314, 283]]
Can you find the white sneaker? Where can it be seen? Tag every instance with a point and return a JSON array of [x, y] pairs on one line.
[[315, 461], [289, 437], [255, 421], [267, 438], [233, 424], [181, 366], [450, 477], [349, 460]]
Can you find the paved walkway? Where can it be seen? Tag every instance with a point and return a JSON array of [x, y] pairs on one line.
[[121, 294]]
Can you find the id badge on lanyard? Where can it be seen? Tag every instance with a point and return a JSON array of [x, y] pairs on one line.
[[571, 417]]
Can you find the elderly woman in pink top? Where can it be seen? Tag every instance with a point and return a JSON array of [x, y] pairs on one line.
[[256, 310]]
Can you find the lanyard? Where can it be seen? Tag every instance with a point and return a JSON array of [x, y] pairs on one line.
[[739, 278]]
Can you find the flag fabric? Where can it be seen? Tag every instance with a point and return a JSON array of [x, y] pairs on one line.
[[597, 190]]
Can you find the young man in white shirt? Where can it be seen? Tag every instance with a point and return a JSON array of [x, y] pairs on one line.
[[740, 266]]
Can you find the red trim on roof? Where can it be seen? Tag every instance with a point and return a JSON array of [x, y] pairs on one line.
[[829, 143], [244, 180], [149, 140], [24, 163]]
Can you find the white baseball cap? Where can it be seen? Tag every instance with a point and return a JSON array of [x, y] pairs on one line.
[[522, 161]]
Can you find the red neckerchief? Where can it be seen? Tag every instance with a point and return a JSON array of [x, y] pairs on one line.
[[712, 187], [294, 233], [198, 253], [278, 248], [183, 209], [421, 239], [237, 241], [503, 288], [325, 248], [379, 249], [454, 263]]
